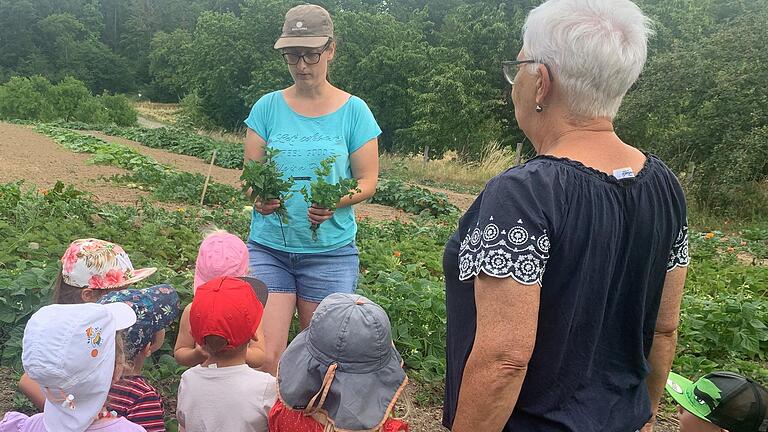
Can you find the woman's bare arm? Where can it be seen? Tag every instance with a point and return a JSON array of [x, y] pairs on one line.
[[665, 338], [507, 320], [365, 168]]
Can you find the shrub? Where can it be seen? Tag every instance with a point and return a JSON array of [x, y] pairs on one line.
[[412, 199], [73, 101], [36, 99], [26, 99], [119, 109]]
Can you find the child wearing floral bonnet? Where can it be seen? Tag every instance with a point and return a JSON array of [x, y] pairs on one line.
[[90, 268]]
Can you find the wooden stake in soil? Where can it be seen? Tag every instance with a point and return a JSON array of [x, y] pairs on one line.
[[208, 177], [518, 153]]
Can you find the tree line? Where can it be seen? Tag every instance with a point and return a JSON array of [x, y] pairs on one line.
[[429, 69]]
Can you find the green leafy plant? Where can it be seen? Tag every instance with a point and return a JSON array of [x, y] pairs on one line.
[[183, 141], [326, 195], [412, 199], [265, 179], [35, 98]]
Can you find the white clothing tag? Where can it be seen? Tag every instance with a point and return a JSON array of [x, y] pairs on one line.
[[623, 173], [213, 366]]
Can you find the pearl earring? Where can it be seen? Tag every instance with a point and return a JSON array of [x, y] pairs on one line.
[[539, 108]]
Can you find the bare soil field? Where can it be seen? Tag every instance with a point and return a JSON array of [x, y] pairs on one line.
[[40, 162]]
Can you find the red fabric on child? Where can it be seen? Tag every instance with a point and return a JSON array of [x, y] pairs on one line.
[[134, 398], [284, 419]]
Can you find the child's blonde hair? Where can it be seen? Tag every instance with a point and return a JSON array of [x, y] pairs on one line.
[[211, 229]]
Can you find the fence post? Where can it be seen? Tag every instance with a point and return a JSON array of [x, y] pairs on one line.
[[518, 153], [426, 155]]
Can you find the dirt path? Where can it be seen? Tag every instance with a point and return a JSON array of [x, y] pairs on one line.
[[232, 176], [40, 161], [460, 200]]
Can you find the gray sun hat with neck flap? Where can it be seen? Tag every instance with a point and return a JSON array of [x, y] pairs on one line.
[[307, 26], [343, 367]]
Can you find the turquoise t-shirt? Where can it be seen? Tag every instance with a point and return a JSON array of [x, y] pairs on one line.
[[304, 142]]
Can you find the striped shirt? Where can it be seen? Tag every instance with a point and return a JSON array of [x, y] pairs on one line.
[[135, 399]]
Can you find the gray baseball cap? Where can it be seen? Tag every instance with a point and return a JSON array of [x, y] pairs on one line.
[[306, 26], [346, 351]]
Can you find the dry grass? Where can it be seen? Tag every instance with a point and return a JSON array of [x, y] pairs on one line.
[[451, 169], [159, 112], [233, 138], [168, 113]]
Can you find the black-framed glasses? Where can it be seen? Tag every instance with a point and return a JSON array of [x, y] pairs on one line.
[[509, 68], [309, 58]]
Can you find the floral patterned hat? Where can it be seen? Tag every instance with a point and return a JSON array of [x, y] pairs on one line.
[[156, 308], [99, 264]]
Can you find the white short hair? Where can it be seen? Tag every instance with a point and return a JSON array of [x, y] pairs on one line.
[[595, 49]]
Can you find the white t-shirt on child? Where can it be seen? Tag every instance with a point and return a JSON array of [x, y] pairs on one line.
[[232, 398]]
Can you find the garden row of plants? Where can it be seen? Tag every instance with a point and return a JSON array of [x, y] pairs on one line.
[[723, 316], [164, 183], [392, 192], [399, 265]]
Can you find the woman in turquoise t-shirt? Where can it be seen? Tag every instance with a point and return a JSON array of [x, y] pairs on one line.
[[308, 122]]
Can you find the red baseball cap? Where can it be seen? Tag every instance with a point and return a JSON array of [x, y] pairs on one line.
[[225, 307]]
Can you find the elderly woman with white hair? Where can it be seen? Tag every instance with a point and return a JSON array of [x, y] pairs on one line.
[[564, 278]]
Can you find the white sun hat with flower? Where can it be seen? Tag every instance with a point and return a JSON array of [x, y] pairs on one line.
[[98, 264]]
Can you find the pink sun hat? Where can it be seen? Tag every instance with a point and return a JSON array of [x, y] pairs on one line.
[[220, 254], [98, 264]]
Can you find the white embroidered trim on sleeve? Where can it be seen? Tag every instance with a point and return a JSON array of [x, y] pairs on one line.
[[679, 257], [504, 252]]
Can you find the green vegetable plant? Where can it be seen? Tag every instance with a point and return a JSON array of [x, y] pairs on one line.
[[266, 181], [411, 198], [326, 195]]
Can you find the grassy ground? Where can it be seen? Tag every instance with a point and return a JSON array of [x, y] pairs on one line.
[[450, 171], [159, 112], [168, 114]]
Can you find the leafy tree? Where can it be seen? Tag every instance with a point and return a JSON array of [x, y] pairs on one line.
[[26, 98], [221, 66], [17, 35], [489, 33], [697, 105], [169, 63], [64, 32], [377, 56], [73, 102], [453, 109], [266, 70]]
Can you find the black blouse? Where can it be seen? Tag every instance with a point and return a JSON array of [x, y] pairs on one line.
[[600, 248]]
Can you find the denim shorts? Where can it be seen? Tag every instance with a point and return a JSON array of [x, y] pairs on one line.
[[311, 276]]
